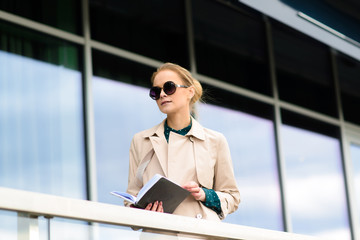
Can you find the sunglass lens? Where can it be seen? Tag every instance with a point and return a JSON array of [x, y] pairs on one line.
[[169, 88], [155, 93]]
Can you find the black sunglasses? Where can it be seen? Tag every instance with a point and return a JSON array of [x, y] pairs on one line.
[[169, 88]]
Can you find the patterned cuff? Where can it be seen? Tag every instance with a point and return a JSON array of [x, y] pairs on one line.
[[212, 200]]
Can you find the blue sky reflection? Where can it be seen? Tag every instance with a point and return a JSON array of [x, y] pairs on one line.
[[251, 142], [314, 184], [120, 110], [355, 156], [41, 127]]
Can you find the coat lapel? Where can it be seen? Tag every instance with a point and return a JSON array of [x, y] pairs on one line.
[[159, 145], [204, 170]]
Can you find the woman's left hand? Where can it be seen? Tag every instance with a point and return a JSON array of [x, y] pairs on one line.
[[195, 190]]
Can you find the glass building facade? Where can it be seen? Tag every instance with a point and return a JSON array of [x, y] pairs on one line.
[[74, 79]]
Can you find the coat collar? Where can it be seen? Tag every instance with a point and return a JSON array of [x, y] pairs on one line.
[[158, 142], [196, 130]]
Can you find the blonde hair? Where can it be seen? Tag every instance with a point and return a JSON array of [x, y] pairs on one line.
[[185, 76]]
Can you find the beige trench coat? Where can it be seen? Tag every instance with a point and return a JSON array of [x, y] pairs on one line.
[[204, 149]]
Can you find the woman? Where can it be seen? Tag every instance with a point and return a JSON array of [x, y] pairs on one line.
[[182, 150]]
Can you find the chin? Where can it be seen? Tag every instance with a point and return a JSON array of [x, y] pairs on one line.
[[166, 110]]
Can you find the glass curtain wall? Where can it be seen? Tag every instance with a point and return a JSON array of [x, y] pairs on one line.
[[311, 149], [42, 138], [121, 108], [251, 138], [314, 177], [153, 29], [348, 70], [303, 70], [41, 117], [62, 14], [224, 52], [355, 157], [41, 121]]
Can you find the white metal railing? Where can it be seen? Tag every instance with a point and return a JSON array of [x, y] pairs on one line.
[[37, 204]]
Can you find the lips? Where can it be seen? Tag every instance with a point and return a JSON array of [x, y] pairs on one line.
[[165, 102]]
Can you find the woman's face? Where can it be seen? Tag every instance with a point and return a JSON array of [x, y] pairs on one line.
[[179, 102]]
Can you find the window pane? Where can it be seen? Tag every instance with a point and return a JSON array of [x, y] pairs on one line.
[[303, 70], [121, 109], [315, 188], [355, 157], [112, 232], [233, 49], [41, 122], [235, 101], [61, 228], [255, 171], [154, 29], [15, 225], [63, 14], [8, 226], [349, 75], [116, 68]]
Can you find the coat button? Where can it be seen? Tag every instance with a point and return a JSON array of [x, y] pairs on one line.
[[199, 216], [191, 139]]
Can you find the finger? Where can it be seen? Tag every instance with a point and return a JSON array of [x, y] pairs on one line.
[[160, 208], [194, 190], [148, 207], [190, 185], [155, 206]]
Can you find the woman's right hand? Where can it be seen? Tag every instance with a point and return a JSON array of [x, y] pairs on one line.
[[155, 207]]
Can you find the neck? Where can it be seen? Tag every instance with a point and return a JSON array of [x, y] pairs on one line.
[[178, 121]]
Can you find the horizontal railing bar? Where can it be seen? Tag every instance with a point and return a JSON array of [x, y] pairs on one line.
[[54, 206]]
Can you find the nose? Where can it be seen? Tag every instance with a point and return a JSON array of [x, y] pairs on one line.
[[162, 93]]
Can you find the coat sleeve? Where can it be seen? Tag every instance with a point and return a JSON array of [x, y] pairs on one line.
[[224, 179], [133, 184]]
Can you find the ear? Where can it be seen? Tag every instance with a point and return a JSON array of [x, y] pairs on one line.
[[191, 92]]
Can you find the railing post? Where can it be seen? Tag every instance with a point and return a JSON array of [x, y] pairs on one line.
[[28, 227]]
